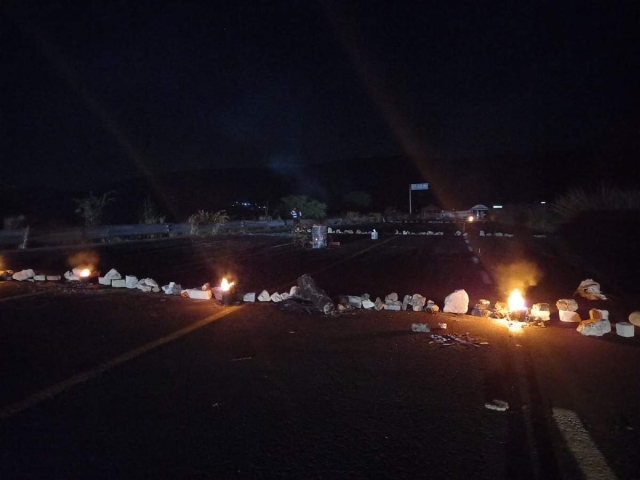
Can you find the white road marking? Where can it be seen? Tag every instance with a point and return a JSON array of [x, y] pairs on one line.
[[485, 278], [71, 382], [589, 459]]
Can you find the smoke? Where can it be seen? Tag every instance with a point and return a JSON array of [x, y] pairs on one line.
[[520, 275], [86, 259]]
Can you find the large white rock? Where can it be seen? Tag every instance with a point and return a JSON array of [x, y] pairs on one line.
[[23, 275], [368, 304], [264, 296], [71, 277], [568, 316], [457, 302], [143, 287], [276, 297], [594, 328], [590, 289], [597, 314], [198, 294], [294, 291], [119, 283], [567, 304], [104, 281], [285, 296], [249, 297], [150, 282], [112, 275], [634, 318], [625, 329], [131, 281], [354, 301], [391, 297]]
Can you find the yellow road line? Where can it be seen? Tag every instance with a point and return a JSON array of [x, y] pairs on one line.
[[71, 382]]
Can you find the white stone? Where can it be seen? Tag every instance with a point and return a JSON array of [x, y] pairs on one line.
[[155, 289], [104, 281], [144, 288], [368, 304], [568, 316], [568, 304], [71, 277], [285, 295], [119, 283], [54, 278], [293, 292], [40, 278], [329, 230], [625, 329], [150, 282], [482, 233], [276, 297], [131, 281], [172, 289], [634, 318], [249, 297], [594, 328], [217, 293], [597, 314], [23, 275], [498, 234], [590, 289], [198, 294], [112, 275], [395, 308], [457, 302], [458, 233], [355, 302], [393, 297], [264, 296], [429, 232]]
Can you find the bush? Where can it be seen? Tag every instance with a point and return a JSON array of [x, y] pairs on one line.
[[91, 208], [578, 201], [149, 214], [309, 207], [203, 222]]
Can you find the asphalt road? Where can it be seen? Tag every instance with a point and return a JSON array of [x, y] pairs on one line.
[[105, 383]]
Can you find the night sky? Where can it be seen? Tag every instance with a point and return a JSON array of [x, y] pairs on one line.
[[116, 89]]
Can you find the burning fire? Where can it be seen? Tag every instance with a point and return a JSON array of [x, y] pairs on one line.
[[225, 285], [470, 218], [85, 272], [516, 301]]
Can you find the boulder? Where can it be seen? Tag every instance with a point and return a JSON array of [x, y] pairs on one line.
[[172, 289], [355, 302], [131, 281], [119, 283], [308, 290], [567, 304], [431, 307], [150, 282], [23, 275], [405, 301], [293, 292], [634, 318], [379, 304], [568, 316], [368, 304], [594, 328], [264, 296], [70, 276], [457, 302], [112, 275], [155, 289], [590, 290], [249, 297], [276, 297], [540, 311], [143, 287], [285, 295], [104, 281], [597, 314]]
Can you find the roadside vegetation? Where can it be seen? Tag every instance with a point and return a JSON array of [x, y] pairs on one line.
[[207, 223]]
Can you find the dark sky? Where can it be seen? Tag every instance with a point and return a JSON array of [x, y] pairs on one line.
[[114, 89]]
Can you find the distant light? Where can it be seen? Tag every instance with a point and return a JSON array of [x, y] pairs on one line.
[[497, 206], [470, 218], [542, 203]]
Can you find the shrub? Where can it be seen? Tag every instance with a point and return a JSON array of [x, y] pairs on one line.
[[309, 207], [91, 208], [578, 201], [149, 214], [203, 222]]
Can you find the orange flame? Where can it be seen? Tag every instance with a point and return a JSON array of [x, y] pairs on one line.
[[516, 301], [85, 272], [225, 285]]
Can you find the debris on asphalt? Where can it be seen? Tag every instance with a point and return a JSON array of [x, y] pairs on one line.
[[590, 290], [594, 328], [119, 283], [420, 327], [567, 310], [481, 309], [457, 302], [264, 296], [625, 329], [131, 281], [6, 275], [540, 312], [634, 318], [442, 326], [431, 307], [449, 339], [249, 297], [498, 405], [500, 310], [308, 290]]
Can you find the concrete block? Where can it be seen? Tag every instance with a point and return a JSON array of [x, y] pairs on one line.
[[567, 316], [23, 275], [197, 294], [625, 329], [249, 297], [395, 308], [634, 318], [264, 296], [144, 288], [368, 304], [567, 304], [119, 283], [104, 281], [354, 301], [40, 278], [131, 281], [54, 278], [112, 275]]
